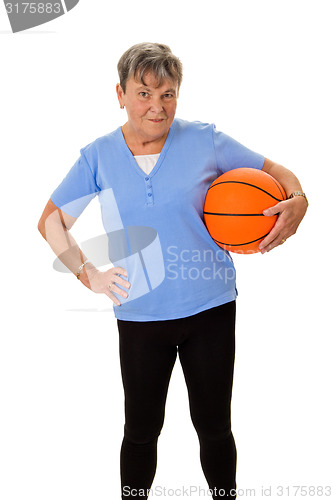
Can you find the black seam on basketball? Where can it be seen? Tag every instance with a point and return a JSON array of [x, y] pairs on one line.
[[246, 184], [279, 188], [234, 215], [240, 244]]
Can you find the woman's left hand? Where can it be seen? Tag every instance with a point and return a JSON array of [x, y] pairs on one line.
[[290, 213]]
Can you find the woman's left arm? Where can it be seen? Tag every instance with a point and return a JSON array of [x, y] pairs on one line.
[[291, 211]]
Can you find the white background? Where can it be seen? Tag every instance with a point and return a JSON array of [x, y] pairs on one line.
[[259, 69]]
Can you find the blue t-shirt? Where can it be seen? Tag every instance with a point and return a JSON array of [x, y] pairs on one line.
[[154, 222]]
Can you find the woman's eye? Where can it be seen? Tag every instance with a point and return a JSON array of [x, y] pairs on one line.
[[168, 96], [143, 94]]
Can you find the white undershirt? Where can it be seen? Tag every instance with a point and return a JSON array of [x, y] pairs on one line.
[[147, 162]]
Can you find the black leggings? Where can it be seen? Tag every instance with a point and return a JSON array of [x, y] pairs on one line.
[[205, 343]]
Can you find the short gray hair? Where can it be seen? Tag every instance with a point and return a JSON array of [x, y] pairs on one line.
[[145, 57]]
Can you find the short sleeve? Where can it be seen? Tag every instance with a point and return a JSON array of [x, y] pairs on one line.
[[231, 154], [77, 189]]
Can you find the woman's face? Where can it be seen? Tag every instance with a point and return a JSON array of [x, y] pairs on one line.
[[150, 109]]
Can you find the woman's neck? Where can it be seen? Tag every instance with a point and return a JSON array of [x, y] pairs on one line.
[[139, 146]]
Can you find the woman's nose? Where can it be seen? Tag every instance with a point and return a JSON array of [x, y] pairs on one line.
[[156, 105]]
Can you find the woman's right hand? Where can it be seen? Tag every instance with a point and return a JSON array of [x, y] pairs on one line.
[[107, 282]]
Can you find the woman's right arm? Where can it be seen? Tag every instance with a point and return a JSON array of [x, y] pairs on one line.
[[54, 226]]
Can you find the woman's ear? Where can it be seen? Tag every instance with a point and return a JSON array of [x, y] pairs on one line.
[[120, 94]]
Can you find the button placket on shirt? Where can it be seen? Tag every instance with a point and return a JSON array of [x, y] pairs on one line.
[[149, 191]]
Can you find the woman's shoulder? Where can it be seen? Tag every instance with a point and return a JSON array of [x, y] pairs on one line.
[[100, 148], [195, 125], [103, 141], [103, 145]]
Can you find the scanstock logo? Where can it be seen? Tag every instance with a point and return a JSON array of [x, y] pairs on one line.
[[135, 248], [25, 15]]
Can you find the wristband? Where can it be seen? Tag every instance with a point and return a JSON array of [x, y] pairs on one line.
[[80, 269], [298, 193]]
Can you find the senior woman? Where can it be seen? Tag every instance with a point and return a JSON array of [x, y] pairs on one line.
[[177, 295]]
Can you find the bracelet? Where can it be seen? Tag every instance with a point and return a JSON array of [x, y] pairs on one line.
[[80, 269], [298, 193]]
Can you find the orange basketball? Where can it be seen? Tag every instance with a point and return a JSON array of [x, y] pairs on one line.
[[234, 205]]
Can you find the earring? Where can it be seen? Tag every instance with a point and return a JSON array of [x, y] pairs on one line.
[[121, 106]]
